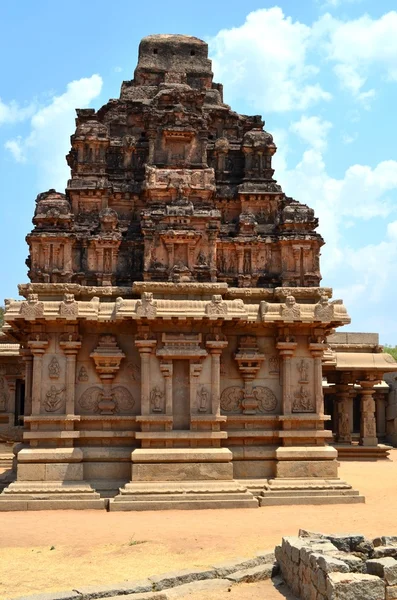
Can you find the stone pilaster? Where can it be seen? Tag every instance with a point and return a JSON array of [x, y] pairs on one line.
[[286, 351], [343, 422], [70, 349], [27, 357], [368, 422], [317, 350], [166, 369], [215, 348], [145, 348], [38, 348]]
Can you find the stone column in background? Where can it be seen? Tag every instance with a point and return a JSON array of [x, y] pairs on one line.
[[368, 422], [286, 351], [145, 348], [38, 348], [343, 414]]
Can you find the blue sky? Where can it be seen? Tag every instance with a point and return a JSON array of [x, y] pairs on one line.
[[323, 73]]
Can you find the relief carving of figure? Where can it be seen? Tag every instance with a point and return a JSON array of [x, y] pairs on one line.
[[157, 399], [274, 365], [303, 401], [54, 399], [146, 307], [69, 307], [344, 423], [217, 306], [323, 310], [303, 368], [290, 310], [107, 261], [203, 398], [32, 308], [83, 375], [53, 368], [369, 426]]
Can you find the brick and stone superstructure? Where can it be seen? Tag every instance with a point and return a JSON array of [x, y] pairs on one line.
[[174, 327]]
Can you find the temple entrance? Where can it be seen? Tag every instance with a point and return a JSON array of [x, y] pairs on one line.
[[181, 395]]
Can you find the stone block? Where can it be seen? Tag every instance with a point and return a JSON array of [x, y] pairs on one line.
[[355, 563], [306, 453], [64, 472], [31, 472], [182, 471], [382, 551], [391, 592], [328, 564], [251, 469], [181, 455], [116, 589], [345, 543], [258, 573], [238, 564], [162, 582], [354, 586], [383, 567], [107, 470], [50, 455], [307, 469], [385, 540], [70, 595]]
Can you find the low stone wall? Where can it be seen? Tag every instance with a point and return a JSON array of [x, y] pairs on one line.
[[339, 567]]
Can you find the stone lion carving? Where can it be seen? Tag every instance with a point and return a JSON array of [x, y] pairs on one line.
[[267, 401]]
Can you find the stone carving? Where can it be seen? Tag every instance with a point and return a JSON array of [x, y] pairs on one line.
[[54, 399], [203, 398], [146, 307], [53, 368], [83, 375], [123, 399], [369, 426], [93, 399], [157, 399], [324, 310], [232, 399], [134, 371], [303, 401], [274, 365], [69, 308], [267, 401], [216, 306], [3, 395], [290, 310], [343, 424], [303, 369], [32, 308]]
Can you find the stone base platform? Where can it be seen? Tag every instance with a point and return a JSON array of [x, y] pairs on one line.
[[311, 491], [357, 452], [50, 495], [184, 495]]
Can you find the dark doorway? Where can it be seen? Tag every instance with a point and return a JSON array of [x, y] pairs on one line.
[[19, 402]]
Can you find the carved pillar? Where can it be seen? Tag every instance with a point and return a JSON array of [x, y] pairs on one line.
[[343, 414], [215, 348], [240, 261], [38, 348], [195, 372], [70, 349], [368, 422], [286, 351], [380, 403], [212, 255], [145, 348], [170, 252], [166, 369], [27, 357], [317, 350]]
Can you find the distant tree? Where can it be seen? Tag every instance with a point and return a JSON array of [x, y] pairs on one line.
[[391, 350]]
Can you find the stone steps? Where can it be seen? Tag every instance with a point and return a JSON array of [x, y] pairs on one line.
[[297, 493], [180, 504], [275, 499]]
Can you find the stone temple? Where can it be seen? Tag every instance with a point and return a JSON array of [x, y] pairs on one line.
[[174, 333]]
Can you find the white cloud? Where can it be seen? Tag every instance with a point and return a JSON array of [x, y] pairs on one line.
[[13, 113], [264, 62], [359, 45], [50, 129], [312, 130]]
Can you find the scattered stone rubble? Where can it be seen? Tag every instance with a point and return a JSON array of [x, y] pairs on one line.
[[339, 567]]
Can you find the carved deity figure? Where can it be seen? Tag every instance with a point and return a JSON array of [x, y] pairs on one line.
[[203, 398], [156, 399], [303, 368], [54, 399], [217, 306], [146, 307], [323, 310], [53, 368], [302, 401], [83, 375], [290, 310]]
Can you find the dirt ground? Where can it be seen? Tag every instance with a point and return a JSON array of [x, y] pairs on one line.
[[58, 550]]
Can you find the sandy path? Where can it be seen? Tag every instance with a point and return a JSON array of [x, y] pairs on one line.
[[94, 547]]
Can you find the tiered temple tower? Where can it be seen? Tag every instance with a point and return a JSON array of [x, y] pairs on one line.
[[174, 327]]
